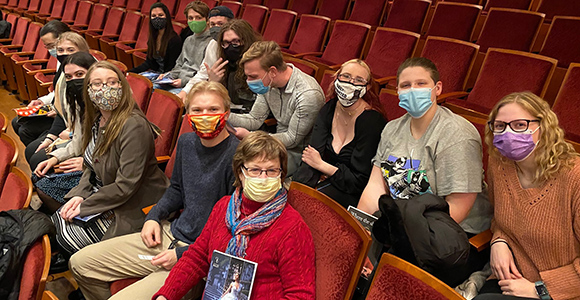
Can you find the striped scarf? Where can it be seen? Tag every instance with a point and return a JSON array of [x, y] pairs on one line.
[[241, 229]]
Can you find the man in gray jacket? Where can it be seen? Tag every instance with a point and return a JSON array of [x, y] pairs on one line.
[[293, 97]]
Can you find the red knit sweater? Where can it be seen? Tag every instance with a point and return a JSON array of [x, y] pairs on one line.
[[541, 225], [284, 253]]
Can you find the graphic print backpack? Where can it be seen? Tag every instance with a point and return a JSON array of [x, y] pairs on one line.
[[11, 232]]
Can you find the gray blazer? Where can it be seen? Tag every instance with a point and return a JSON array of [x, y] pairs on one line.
[[130, 176]]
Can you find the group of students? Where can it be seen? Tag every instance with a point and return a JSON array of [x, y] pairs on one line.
[[228, 186]]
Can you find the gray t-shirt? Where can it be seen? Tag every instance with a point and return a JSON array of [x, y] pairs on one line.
[[446, 159]]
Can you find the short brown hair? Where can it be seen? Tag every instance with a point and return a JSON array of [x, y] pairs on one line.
[[269, 54], [198, 6], [422, 62], [259, 144], [203, 87]]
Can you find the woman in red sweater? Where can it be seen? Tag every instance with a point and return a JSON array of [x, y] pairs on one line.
[[256, 224], [534, 185]]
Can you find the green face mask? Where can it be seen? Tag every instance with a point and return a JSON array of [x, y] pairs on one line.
[[197, 26]]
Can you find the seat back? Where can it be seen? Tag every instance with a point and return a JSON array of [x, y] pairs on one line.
[[390, 103], [12, 19], [171, 5], [554, 8], [8, 156], [408, 15], [185, 127], [210, 3], [35, 270], [100, 56], [279, 4], [134, 5], [304, 66], [33, 5], [141, 88], [130, 28], [97, 19], [234, 6], [3, 124], [121, 66], [258, 2], [70, 11], [32, 37], [304, 6], [143, 34], [40, 52], [334, 9], [507, 71], [84, 13], [516, 4], [561, 42], [523, 29], [326, 81], [57, 9], [369, 12], [566, 105], [146, 6], [340, 242], [17, 190], [114, 21], [454, 20], [45, 7], [119, 3], [179, 15], [20, 32], [389, 48], [310, 34], [256, 15], [22, 5], [280, 27], [165, 110], [353, 34], [396, 279], [12, 3], [454, 60], [480, 124]]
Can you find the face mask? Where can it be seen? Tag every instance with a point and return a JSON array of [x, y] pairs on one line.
[[416, 101], [214, 32], [61, 58], [52, 52], [74, 88], [261, 189], [348, 93], [233, 54], [207, 126], [107, 98], [516, 146], [159, 23], [197, 26], [257, 86]]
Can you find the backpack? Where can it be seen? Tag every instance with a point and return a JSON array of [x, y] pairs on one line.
[[5, 28]]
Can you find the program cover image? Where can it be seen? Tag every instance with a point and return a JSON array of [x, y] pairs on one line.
[[229, 278]]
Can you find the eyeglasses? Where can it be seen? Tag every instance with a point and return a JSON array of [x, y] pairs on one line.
[[519, 125], [256, 172], [234, 43], [354, 80], [111, 83]]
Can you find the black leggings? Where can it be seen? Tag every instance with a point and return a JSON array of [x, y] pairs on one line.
[[492, 291]]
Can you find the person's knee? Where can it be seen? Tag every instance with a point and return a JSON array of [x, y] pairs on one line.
[[76, 262]]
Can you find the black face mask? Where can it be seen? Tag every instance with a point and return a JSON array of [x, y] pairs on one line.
[[159, 23], [74, 89], [61, 58], [214, 32], [233, 54]]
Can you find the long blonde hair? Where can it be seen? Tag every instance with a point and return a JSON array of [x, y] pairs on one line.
[[552, 153], [119, 115]]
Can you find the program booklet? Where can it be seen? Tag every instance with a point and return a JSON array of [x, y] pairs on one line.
[[34, 111], [229, 277], [366, 220]]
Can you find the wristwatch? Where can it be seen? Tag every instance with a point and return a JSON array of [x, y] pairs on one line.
[[542, 291]]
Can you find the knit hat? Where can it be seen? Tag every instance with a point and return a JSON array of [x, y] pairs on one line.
[[221, 11]]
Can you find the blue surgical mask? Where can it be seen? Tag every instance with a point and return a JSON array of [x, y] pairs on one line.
[[416, 101], [52, 52], [257, 86]]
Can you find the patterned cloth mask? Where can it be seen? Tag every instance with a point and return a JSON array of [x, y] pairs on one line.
[[159, 23], [348, 93], [207, 126], [106, 98]]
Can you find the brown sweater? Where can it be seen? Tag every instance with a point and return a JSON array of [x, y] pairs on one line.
[[541, 226]]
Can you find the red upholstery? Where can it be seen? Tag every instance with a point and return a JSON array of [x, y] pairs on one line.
[[340, 247], [12, 19], [310, 35], [112, 27], [8, 157], [141, 87], [124, 49], [210, 3], [349, 33], [235, 6], [179, 15], [255, 15], [281, 4], [566, 105], [504, 72], [129, 32], [326, 82], [390, 103], [56, 12], [33, 5], [15, 192], [561, 42], [517, 4], [22, 5], [70, 11], [12, 3], [119, 3], [559, 8], [305, 66], [165, 110], [523, 25], [280, 26], [454, 20], [32, 271], [390, 47], [134, 5], [408, 15], [84, 13], [334, 9], [171, 5], [39, 54], [3, 125], [20, 31], [453, 58], [185, 127], [369, 12], [258, 2], [98, 54], [304, 6], [117, 286], [146, 6], [44, 8], [97, 19]]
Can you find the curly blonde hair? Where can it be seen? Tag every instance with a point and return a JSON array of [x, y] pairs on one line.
[[552, 153]]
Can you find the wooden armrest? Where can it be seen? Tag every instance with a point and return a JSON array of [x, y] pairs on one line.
[[80, 26], [24, 53], [5, 41], [127, 42], [162, 159], [18, 63], [44, 71], [136, 50], [11, 47], [110, 36], [37, 61], [300, 55], [96, 32], [147, 209], [270, 122], [481, 241], [443, 97], [284, 45], [46, 84], [385, 80]]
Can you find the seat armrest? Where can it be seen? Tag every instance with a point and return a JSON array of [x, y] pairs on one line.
[[385, 80], [300, 55], [481, 241], [44, 71], [452, 95], [147, 209], [24, 53], [162, 159], [270, 122], [137, 50]]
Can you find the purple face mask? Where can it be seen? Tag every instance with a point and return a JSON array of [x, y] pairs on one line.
[[513, 145]]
